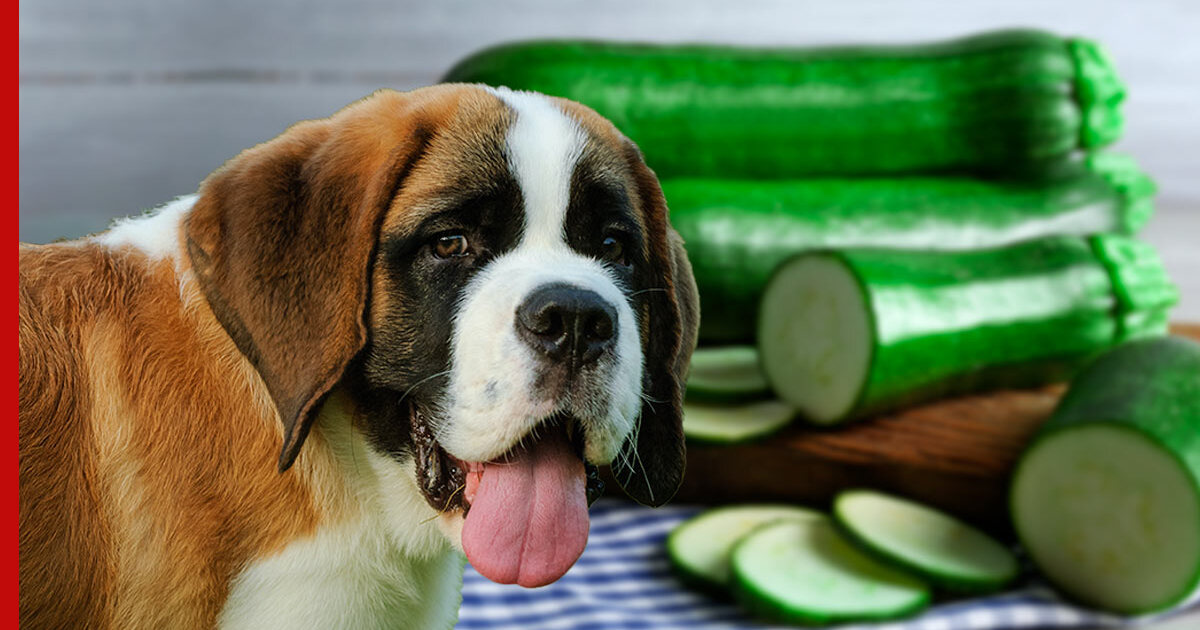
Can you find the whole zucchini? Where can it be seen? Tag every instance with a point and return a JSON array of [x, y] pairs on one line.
[[1107, 497], [845, 334], [998, 102], [738, 231]]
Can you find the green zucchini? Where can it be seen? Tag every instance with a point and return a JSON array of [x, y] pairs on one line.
[[699, 547], [804, 571], [734, 423], [845, 334], [996, 102], [1144, 295], [737, 231], [1107, 496], [941, 549], [726, 374]]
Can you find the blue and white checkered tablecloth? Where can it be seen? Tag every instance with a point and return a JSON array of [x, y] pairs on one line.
[[624, 580]]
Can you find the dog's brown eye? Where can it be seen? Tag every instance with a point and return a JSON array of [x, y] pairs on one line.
[[451, 246], [613, 250]]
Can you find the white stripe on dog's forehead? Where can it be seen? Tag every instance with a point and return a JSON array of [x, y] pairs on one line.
[[543, 144]]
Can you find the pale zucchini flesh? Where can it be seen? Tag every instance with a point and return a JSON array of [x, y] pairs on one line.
[[940, 548], [732, 424], [726, 374], [1107, 499], [699, 548], [807, 572], [1111, 517], [816, 338]]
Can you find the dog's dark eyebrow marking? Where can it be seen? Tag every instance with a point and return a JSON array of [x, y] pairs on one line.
[[599, 203], [602, 196], [489, 211], [466, 212]]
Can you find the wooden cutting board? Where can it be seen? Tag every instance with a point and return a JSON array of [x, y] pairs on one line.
[[955, 454]]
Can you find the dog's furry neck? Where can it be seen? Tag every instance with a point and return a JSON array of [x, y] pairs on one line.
[[383, 558]]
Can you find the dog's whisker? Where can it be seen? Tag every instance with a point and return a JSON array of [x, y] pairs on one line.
[[637, 456], [650, 290], [446, 507], [422, 381], [449, 499], [650, 400], [633, 461]]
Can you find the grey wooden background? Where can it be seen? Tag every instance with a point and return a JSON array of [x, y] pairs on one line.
[[128, 103]]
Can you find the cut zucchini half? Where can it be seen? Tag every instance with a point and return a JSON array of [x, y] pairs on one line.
[[805, 571], [852, 333], [816, 332], [938, 547], [1111, 517], [1107, 499], [726, 374], [738, 231], [733, 424], [699, 547]]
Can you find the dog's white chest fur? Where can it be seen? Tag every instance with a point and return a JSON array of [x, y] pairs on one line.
[[351, 577], [388, 566]]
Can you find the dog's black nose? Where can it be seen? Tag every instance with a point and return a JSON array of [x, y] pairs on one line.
[[567, 323]]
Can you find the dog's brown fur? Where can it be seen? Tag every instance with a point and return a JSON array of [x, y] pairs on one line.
[[106, 441], [134, 398]]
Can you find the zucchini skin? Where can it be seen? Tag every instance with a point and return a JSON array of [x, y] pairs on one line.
[[996, 102], [1150, 387], [737, 231], [949, 323], [940, 332]]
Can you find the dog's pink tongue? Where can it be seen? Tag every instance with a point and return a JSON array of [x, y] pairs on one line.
[[528, 521]]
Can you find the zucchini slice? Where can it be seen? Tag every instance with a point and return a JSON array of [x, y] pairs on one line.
[[851, 333], [805, 571], [733, 424], [1107, 498], [936, 546], [726, 374], [699, 547]]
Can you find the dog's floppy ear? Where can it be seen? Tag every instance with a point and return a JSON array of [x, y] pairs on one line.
[[650, 465], [281, 239]]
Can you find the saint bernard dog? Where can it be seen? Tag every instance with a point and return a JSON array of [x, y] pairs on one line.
[[289, 401]]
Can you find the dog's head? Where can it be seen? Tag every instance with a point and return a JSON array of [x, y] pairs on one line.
[[492, 276]]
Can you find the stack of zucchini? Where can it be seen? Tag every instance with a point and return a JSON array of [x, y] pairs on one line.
[[961, 227]]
